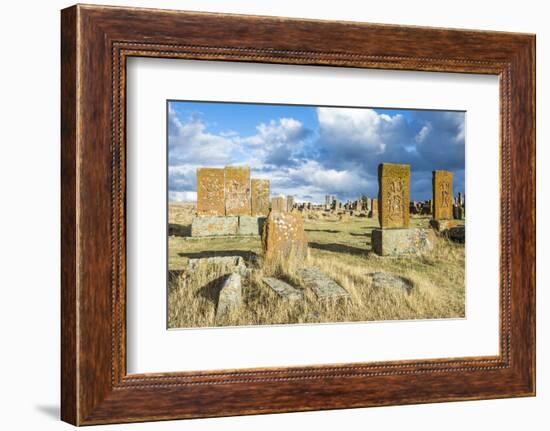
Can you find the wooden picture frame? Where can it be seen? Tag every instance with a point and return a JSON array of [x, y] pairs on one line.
[[95, 43]]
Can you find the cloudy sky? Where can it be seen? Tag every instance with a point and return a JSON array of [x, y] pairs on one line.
[[310, 151]]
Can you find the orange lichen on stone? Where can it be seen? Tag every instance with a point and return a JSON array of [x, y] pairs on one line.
[[393, 195], [210, 192], [284, 236], [442, 188], [237, 190], [278, 204], [260, 197]]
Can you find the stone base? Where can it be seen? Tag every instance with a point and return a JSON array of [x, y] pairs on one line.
[[443, 225], [214, 226], [250, 225], [204, 226], [397, 242]]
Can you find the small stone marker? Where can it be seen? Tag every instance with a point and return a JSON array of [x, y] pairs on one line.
[[383, 280], [230, 299], [457, 234], [393, 195], [283, 289], [214, 226], [278, 204], [210, 191], [323, 286], [237, 190], [260, 197], [283, 235], [442, 188]]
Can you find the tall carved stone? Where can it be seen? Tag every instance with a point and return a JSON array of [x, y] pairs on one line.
[[289, 203], [442, 188], [260, 197], [393, 195], [210, 191], [237, 190], [278, 204]]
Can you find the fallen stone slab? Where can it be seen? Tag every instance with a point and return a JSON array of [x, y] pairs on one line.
[[322, 285], [214, 226], [384, 280], [228, 263], [397, 242], [230, 298], [283, 289]]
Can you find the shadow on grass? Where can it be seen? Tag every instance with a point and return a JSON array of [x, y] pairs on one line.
[[179, 229], [364, 235], [323, 230], [339, 248], [211, 290]]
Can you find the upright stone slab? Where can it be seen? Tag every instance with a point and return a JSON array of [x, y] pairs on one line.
[[442, 188], [260, 197], [289, 203], [284, 236], [237, 190], [210, 192], [278, 204], [230, 299], [323, 286], [393, 195]]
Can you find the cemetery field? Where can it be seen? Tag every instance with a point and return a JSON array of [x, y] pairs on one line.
[[341, 248]]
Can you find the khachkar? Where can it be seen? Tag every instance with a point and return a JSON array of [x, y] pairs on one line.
[[394, 237], [224, 203], [237, 190], [210, 191], [260, 197], [442, 200]]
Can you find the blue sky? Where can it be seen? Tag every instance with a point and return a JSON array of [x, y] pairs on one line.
[[309, 151]]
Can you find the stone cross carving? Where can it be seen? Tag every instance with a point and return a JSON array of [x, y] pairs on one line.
[[393, 195], [442, 189], [210, 192]]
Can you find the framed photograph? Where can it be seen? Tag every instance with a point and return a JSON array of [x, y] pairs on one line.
[[263, 214]]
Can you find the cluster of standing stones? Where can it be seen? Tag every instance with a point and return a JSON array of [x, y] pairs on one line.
[[231, 203]]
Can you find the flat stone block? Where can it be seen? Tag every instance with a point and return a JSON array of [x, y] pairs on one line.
[[396, 242], [227, 263], [323, 286], [443, 225], [283, 289], [230, 299], [214, 226], [250, 225]]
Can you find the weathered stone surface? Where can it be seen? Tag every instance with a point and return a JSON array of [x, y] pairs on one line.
[[457, 234], [278, 204], [260, 197], [237, 190], [442, 189], [383, 280], [230, 299], [283, 235], [283, 289], [249, 225], [214, 226], [210, 191], [289, 203], [323, 286], [443, 225], [393, 195], [396, 242], [227, 264]]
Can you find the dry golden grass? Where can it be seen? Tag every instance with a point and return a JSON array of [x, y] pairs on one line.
[[342, 250]]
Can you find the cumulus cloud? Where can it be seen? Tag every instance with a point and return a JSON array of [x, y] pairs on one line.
[[339, 157]]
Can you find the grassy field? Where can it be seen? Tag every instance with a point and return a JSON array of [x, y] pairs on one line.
[[341, 248]]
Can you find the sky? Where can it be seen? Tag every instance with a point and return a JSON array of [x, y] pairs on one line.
[[309, 151]]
